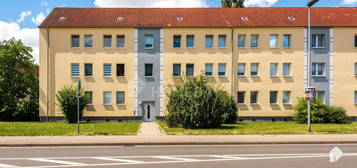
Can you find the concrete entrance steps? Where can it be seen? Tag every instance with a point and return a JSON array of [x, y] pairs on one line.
[[150, 129]]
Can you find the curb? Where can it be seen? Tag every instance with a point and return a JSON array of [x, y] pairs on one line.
[[174, 143]]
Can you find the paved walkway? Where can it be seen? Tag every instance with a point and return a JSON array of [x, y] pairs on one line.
[[150, 129], [174, 140]]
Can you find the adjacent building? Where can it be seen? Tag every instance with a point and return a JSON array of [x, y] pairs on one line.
[[127, 58]]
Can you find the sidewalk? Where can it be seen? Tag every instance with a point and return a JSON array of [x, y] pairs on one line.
[[149, 129], [174, 140]]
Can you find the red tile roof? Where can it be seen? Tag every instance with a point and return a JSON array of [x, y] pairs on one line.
[[198, 17]]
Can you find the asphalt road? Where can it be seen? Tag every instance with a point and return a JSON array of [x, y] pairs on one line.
[[205, 156]]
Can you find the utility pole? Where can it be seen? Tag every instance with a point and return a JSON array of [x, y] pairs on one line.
[[308, 89]]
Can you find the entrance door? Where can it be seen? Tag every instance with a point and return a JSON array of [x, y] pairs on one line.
[[148, 112]]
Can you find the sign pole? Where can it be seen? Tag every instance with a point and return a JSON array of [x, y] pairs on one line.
[[78, 95]]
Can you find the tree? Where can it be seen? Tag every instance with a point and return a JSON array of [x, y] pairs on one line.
[[18, 78], [193, 103], [232, 3], [67, 99]]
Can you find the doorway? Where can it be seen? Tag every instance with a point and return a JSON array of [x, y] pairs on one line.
[[148, 112]]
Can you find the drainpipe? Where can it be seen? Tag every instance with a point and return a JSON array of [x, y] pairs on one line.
[[232, 63], [48, 71]]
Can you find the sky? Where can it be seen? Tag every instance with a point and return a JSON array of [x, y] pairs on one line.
[[20, 18]]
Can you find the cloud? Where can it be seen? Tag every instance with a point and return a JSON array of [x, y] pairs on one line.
[[23, 15], [39, 18], [260, 3], [28, 36], [349, 2], [44, 3], [151, 3]]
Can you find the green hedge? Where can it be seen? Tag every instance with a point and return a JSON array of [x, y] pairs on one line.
[[193, 103], [320, 112]]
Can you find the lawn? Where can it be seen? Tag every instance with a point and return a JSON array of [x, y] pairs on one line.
[[246, 128], [64, 129]]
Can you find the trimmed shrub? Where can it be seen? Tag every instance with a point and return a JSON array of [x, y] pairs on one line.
[[193, 103], [67, 99], [320, 113]]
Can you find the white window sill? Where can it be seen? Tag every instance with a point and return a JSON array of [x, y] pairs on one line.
[[90, 104], [75, 47], [222, 47], [209, 76], [190, 47], [149, 48], [88, 47], [318, 76], [121, 104], [254, 104], [107, 76], [91, 76], [107, 104], [243, 76], [242, 47], [255, 47], [222, 76], [107, 48], [120, 76], [318, 47], [255, 76], [120, 48], [287, 104], [241, 104], [75, 76], [274, 76], [274, 104]]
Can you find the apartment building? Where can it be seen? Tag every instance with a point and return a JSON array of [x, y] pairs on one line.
[[127, 58]]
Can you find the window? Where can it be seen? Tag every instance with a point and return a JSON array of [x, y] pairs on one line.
[[241, 69], [89, 96], [88, 69], [120, 98], [355, 41], [254, 41], [149, 41], [286, 69], [107, 98], [355, 69], [75, 70], [176, 70], [75, 41], [286, 97], [149, 69], [222, 41], [254, 97], [273, 69], [177, 41], [209, 69], [190, 68], [355, 97], [287, 41], [241, 41], [273, 97], [221, 69], [318, 69], [190, 41], [273, 41], [209, 41], [320, 95], [318, 40], [107, 70], [254, 67], [120, 41], [88, 41], [240, 97], [107, 41], [120, 70]]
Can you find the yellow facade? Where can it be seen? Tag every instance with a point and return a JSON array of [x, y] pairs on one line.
[[61, 56], [264, 83], [344, 58]]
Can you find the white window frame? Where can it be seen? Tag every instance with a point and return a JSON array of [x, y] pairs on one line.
[[79, 70], [276, 70], [273, 44], [91, 38], [242, 42], [152, 41], [244, 93], [244, 69], [316, 69], [316, 39], [289, 75], [110, 103], [206, 69], [289, 100], [257, 98]]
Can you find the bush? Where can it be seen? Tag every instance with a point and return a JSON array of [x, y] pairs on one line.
[[193, 103], [320, 112], [67, 98], [26, 111]]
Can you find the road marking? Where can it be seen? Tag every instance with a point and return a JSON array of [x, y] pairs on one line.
[[118, 160], [56, 161], [7, 166], [174, 158], [229, 157]]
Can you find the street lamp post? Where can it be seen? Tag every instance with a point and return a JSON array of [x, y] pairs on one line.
[[309, 5]]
